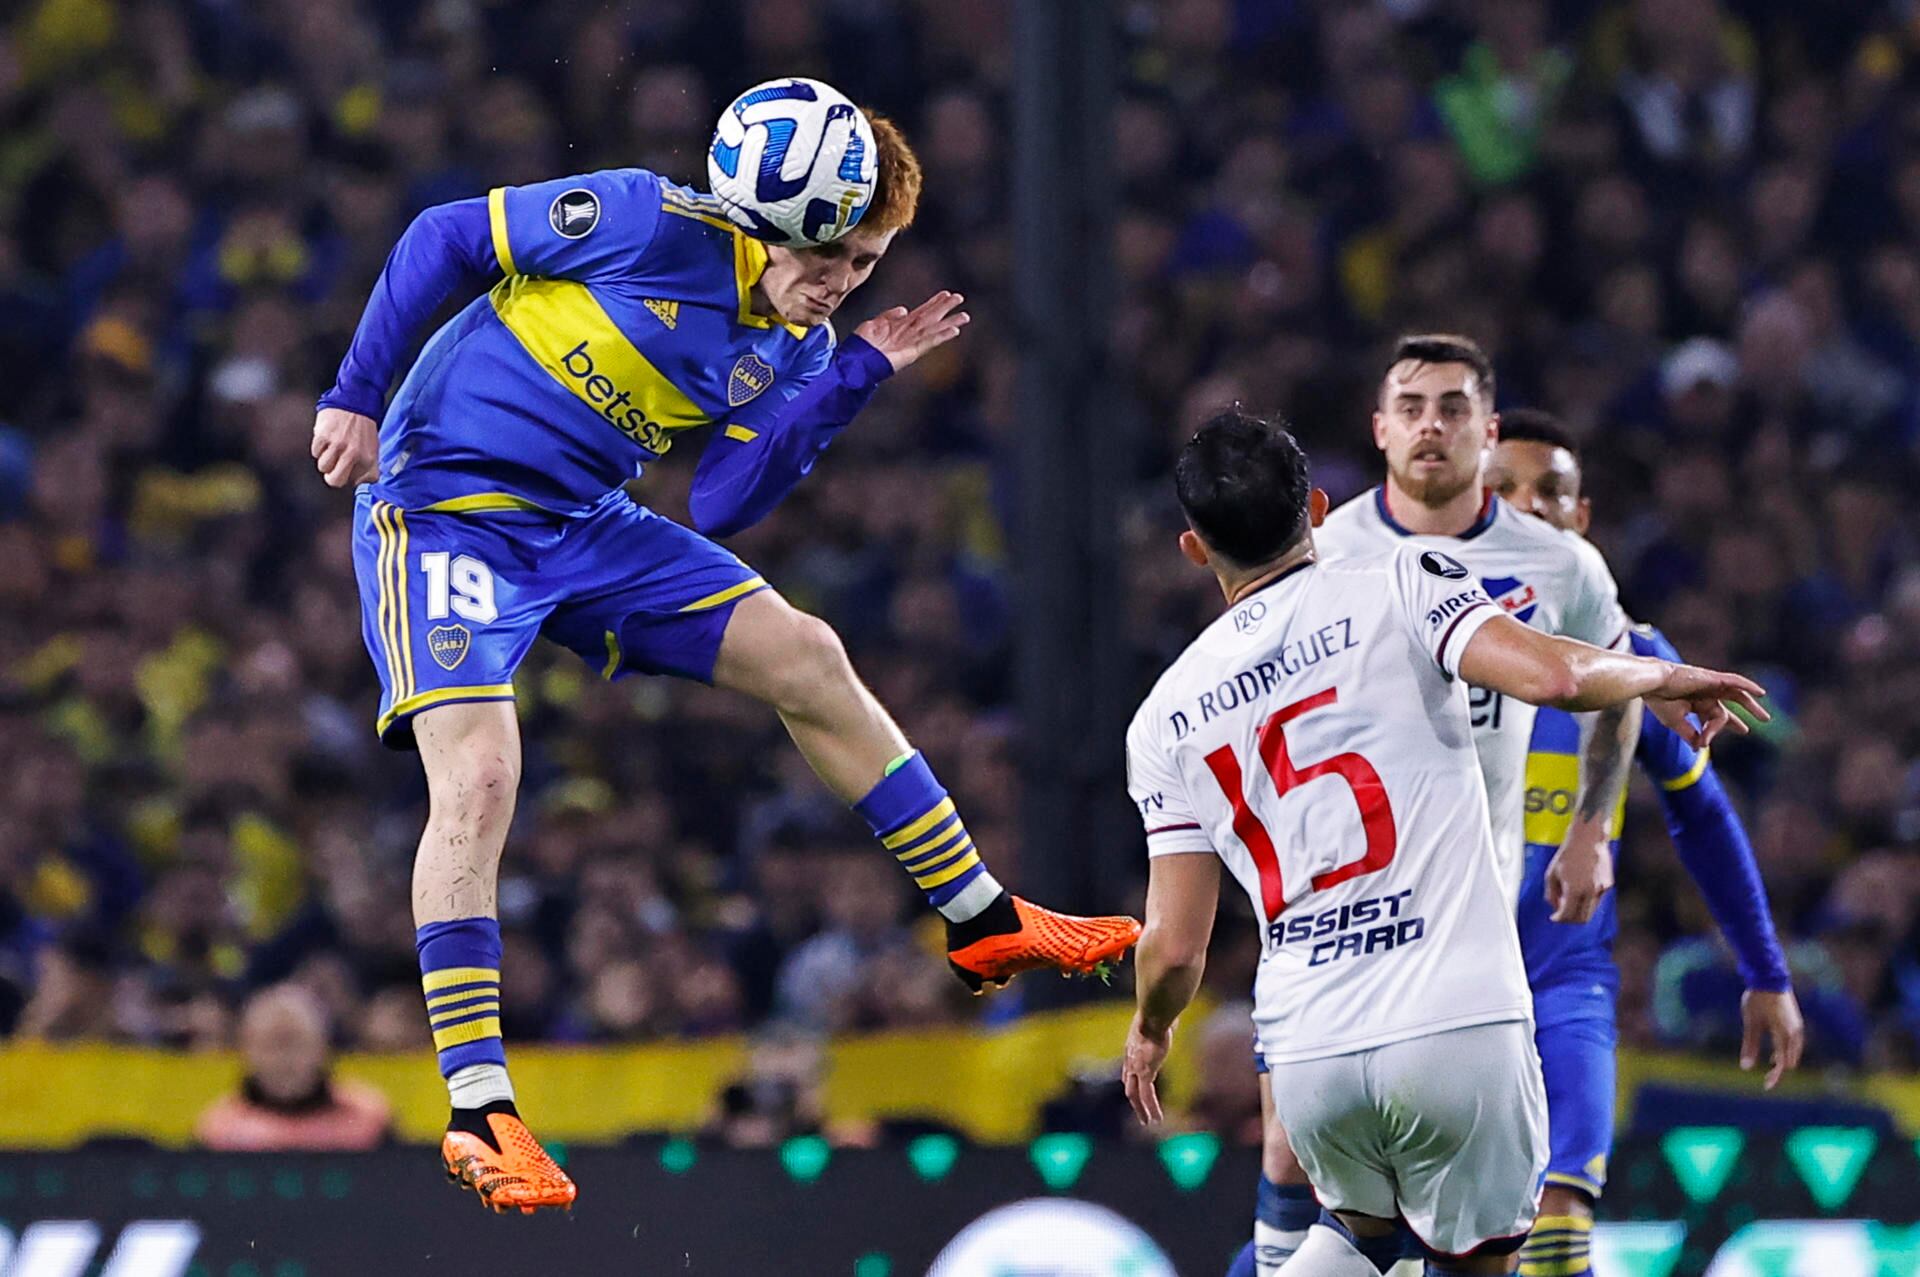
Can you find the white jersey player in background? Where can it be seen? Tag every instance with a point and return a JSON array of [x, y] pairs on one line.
[[1317, 739], [1435, 427]]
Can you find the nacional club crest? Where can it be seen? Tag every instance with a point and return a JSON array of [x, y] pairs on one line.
[[1515, 597], [449, 644], [750, 376]]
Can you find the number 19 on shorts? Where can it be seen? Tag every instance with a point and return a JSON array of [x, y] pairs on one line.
[[458, 584]]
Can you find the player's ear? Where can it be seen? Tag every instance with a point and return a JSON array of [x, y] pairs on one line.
[[1379, 430], [1194, 549], [1583, 515], [1317, 507]]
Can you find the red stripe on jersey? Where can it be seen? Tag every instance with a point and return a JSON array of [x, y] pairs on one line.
[[1440, 652], [1225, 767]]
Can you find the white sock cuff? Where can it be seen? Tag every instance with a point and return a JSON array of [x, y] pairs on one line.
[[973, 898], [479, 1084]]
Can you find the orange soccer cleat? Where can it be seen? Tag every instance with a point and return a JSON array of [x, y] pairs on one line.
[[1012, 936], [506, 1167]]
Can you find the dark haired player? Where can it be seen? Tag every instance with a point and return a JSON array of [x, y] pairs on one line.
[[1536, 467], [1434, 423], [1317, 738], [611, 313]]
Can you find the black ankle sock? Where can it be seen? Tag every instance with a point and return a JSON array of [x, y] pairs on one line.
[[474, 1121], [997, 919]]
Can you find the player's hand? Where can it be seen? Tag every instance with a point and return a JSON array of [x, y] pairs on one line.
[[1146, 1052], [1688, 689], [1580, 873], [1775, 1015], [904, 335], [346, 447]]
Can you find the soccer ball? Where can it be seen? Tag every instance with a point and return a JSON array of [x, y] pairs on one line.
[[793, 162]]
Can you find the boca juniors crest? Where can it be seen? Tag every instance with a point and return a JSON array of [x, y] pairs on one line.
[[449, 644], [1515, 597], [750, 376]]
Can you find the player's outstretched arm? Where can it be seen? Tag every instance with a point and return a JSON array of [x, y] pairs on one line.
[[1543, 669], [750, 467], [1183, 892]]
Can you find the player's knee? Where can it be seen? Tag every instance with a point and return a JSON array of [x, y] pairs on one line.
[[476, 785], [816, 664]]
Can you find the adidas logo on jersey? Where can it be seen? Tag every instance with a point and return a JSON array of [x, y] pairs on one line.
[[667, 313]]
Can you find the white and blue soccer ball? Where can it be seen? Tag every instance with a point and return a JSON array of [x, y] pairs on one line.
[[793, 162]]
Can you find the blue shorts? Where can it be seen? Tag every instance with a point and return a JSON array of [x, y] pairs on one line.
[[1576, 1059], [450, 602]]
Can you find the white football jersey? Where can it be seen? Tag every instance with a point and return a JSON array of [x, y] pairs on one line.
[[1315, 737], [1554, 581]]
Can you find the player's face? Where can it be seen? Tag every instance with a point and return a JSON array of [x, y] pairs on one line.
[[806, 285], [1541, 480], [1435, 427]]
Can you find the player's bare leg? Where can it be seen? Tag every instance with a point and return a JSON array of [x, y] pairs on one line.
[[1562, 1237], [471, 752], [796, 663], [1284, 1208]]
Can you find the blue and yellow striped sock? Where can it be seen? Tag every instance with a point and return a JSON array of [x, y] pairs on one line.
[[1558, 1246], [460, 973], [914, 819]]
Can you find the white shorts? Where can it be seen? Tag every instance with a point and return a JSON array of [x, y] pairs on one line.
[[1447, 1131]]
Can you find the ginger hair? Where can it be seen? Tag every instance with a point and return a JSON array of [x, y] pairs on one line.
[[896, 196]]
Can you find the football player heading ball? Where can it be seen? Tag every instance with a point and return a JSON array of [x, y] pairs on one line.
[[611, 312]]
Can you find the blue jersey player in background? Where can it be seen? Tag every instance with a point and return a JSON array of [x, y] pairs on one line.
[[1570, 965], [609, 314]]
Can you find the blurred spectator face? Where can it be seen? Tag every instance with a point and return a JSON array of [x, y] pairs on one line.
[[1775, 343], [621, 1001], [1790, 841], [782, 31], [1227, 1100], [154, 220], [1710, 267], [1515, 30], [1781, 210], [1509, 238], [1198, 29], [1433, 426], [1612, 216], [28, 573], [669, 117], [1701, 627], [863, 895], [1869, 781], [72, 997], [708, 996], [283, 1035], [1630, 302], [392, 1022], [959, 146], [1147, 141]]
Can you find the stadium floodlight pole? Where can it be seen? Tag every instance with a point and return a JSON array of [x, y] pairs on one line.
[[1072, 671]]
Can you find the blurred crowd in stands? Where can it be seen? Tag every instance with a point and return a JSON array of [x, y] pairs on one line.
[[1689, 227]]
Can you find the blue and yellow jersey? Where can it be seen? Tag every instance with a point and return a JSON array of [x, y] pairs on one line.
[[621, 319], [1581, 956]]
